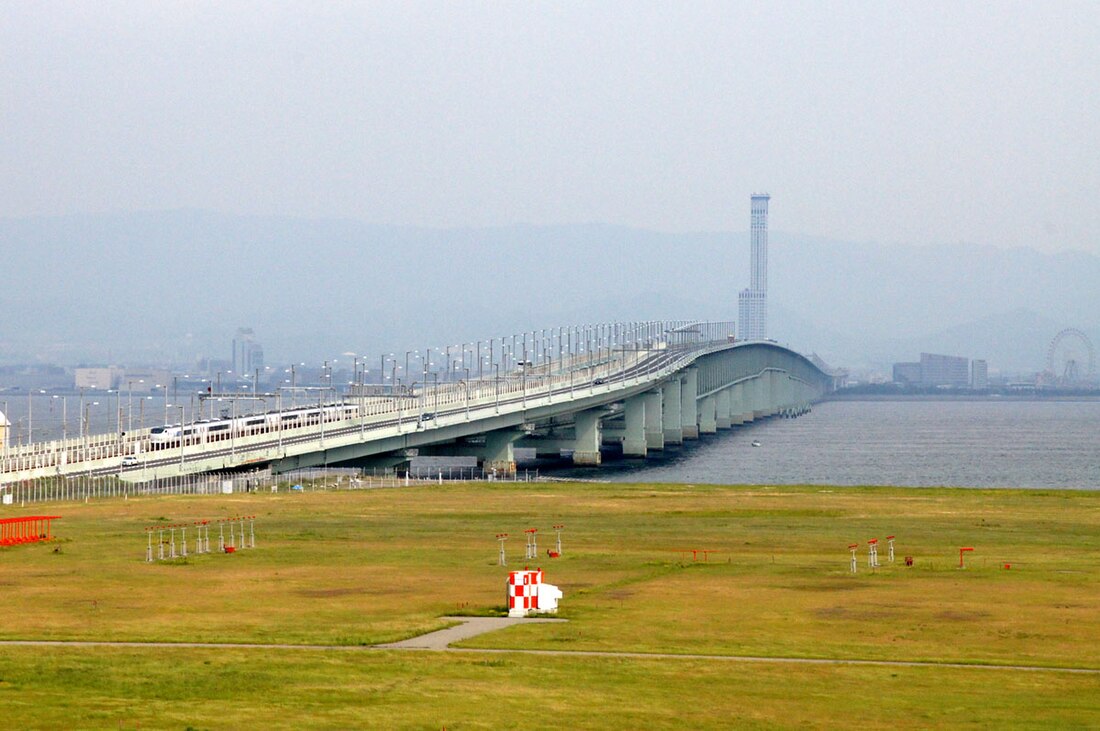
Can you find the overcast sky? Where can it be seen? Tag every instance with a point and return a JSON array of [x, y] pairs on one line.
[[929, 122]]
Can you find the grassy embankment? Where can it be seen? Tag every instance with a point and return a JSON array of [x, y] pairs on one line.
[[356, 568]]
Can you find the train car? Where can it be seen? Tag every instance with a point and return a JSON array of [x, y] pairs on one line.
[[212, 430]]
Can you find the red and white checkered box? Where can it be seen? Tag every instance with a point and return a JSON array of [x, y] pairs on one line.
[[527, 593]]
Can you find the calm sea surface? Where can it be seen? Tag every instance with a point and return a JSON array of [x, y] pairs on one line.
[[992, 443]]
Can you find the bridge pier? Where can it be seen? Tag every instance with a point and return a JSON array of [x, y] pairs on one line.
[[689, 407], [760, 396], [740, 403], [722, 409], [654, 433], [708, 415], [499, 453], [671, 425], [634, 414], [586, 450]]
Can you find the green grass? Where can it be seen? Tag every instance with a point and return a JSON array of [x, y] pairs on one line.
[[365, 567]]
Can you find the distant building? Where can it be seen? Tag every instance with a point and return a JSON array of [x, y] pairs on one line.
[[752, 314], [101, 378], [248, 355], [979, 375], [212, 366], [944, 370], [934, 370], [144, 380], [908, 374], [752, 303], [255, 359]]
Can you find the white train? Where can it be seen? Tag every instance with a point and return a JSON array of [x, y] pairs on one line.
[[214, 430]]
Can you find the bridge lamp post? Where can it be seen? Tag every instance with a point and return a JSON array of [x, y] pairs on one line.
[[30, 414], [87, 431], [279, 408], [549, 378], [466, 384], [496, 367], [424, 389], [141, 411], [181, 438], [523, 377], [130, 404], [118, 412], [64, 417]]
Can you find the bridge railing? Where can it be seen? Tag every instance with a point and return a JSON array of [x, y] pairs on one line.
[[613, 363]]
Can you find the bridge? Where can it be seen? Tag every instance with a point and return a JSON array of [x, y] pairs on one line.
[[643, 386]]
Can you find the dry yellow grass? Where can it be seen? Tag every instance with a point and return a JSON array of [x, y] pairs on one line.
[[366, 567]]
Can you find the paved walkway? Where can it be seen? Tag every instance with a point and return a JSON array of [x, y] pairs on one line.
[[473, 626], [469, 627]]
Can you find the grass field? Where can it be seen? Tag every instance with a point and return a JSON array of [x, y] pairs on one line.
[[356, 568]]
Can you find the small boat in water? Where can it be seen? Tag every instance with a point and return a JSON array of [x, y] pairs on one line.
[[755, 443]]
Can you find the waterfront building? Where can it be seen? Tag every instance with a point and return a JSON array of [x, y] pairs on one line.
[[944, 370], [101, 378], [908, 374], [144, 380], [979, 375]]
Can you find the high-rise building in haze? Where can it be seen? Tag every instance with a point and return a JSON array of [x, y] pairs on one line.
[[979, 375], [752, 305], [248, 355]]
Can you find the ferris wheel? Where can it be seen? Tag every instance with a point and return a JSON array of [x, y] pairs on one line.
[[1071, 358]]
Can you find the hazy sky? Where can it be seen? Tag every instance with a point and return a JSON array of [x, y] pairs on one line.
[[929, 122]]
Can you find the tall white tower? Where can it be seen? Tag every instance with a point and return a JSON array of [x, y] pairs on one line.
[[753, 302]]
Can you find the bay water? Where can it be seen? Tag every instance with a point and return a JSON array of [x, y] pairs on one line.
[[993, 442]]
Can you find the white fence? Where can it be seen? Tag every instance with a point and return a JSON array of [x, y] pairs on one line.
[[84, 489]]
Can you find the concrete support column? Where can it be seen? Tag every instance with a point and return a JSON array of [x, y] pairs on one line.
[[689, 408], [670, 412], [760, 396], [634, 441], [499, 454], [737, 405], [722, 408], [775, 392], [586, 450], [654, 432], [741, 403], [708, 418]]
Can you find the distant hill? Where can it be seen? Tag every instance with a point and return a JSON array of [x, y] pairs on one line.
[[163, 286]]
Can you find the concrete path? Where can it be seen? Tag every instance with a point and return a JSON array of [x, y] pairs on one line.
[[469, 627], [472, 626]]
